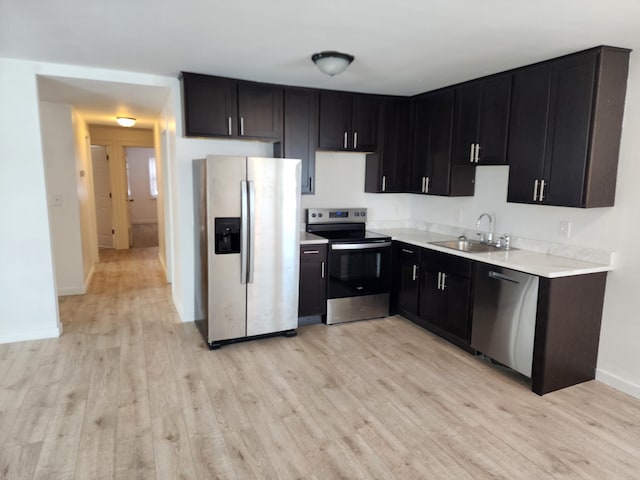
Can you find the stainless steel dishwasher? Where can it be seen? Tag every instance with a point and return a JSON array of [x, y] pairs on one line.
[[504, 315]]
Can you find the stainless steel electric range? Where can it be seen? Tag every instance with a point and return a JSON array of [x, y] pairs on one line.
[[359, 264]]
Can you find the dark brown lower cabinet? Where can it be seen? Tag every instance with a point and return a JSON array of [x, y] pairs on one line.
[[567, 334], [313, 283], [434, 291]]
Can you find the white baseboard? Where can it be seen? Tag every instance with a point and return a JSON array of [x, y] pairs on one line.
[[618, 383], [30, 335], [62, 292]]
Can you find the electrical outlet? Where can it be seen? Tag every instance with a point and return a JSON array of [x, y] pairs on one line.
[[565, 228]]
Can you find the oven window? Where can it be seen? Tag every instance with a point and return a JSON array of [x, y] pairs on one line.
[[354, 273]]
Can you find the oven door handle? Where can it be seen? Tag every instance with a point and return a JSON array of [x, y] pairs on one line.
[[359, 246]]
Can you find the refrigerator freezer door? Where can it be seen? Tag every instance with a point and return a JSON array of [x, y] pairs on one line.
[[272, 296], [227, 295]]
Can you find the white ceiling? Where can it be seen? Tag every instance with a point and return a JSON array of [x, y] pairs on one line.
[[401, 47]]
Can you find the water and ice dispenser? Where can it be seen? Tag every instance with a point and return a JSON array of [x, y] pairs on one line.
[[227, 232]]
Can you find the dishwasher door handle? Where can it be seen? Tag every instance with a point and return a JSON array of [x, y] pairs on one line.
[[500, 276]]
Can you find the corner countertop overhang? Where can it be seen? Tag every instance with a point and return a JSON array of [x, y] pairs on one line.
[[535, 263], [310, 239]]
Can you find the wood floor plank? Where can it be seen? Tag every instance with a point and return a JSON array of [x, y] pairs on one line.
[[171, 446]]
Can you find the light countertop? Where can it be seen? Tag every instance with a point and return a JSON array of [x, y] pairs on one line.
[[310, 239], [540, 264]]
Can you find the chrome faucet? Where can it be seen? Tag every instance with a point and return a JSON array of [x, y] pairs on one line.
[[489, 238]]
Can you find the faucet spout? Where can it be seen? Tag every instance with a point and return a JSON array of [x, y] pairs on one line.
[[490, 233]]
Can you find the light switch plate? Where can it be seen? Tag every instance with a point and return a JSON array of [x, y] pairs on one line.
[[56, 200]]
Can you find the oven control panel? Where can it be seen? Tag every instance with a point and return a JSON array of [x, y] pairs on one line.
[[336, 215]]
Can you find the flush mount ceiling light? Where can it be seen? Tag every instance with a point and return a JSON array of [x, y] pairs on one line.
[[331, 62], [126, 121]]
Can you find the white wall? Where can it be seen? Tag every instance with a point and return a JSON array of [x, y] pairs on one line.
[[85, 195], [339, 183], [28, 303], [58, 152]]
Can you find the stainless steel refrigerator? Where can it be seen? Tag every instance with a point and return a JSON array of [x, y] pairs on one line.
[[247, 246]]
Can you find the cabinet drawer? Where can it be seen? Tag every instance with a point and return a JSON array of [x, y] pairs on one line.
[[313, 253], [447, 263]]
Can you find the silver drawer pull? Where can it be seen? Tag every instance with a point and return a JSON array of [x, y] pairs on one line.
[[407, 251], [311, 252]]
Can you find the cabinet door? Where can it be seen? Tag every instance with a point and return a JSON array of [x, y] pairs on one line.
[[312, 298], [210, 108], [466, 115], [421, 132], [431, 308], [301, 132], [259, 110], [364, 123], [456, 291], [493, 120], [409, 279], [439, 153], [528, 131], [386, 169], [572, 84], [335, 121]]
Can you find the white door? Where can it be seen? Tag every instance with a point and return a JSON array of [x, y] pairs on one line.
[[102, 186]]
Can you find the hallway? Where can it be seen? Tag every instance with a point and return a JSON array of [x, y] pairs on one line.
[[130, 392]]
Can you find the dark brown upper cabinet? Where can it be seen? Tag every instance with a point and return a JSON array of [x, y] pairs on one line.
[[481, 121], [348, 121], [386, 169], [300, 138], [431, 170], [565, 127], [223, 107]]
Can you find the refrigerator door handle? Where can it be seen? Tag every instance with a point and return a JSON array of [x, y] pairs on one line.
[[244, 231], [252, 226]]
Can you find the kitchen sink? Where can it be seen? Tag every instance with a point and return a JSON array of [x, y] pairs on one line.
[[469, 246]]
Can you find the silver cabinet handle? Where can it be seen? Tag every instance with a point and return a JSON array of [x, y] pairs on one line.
[[384, 183], [535, 190], [415, 273], [426, 185], [439, 279], [322, 270], [477, 152], [542, 184], [311, 252], [241, 125], [407, 251], [422, 190], [355, 140], [444, 277], [345, 141], [471, 160], [229, 124]]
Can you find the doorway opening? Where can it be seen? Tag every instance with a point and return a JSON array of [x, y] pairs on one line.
[[142, 192]]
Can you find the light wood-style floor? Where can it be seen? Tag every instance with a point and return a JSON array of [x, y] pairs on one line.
[[129, 392]]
